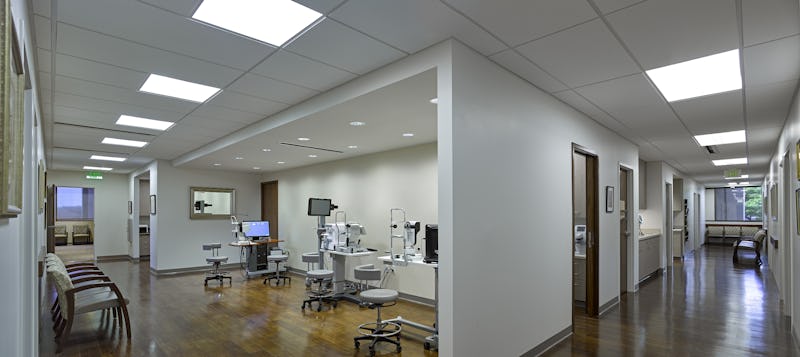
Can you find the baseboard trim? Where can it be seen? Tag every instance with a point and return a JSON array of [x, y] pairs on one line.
[[549, 343], [111, 258], [608, 306], [190, 270]]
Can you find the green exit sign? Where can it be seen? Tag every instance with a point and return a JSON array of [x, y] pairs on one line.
[[733, 173], [93, 175]]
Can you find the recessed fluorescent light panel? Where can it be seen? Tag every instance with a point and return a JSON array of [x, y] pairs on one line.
[[97, 168], [128, 120], [107, 158], [273, 21], [177, 88], [357, 123], [738, 177], [408, 135], [726, 162], [698, 77], [730, 137], [123, 142]]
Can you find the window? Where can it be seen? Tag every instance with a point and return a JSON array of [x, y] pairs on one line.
[[738, 204], [74, 204]]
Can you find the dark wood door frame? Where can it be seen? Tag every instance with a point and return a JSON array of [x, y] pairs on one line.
[[592, 229], [269, 206], [625, 193], [50, 218]]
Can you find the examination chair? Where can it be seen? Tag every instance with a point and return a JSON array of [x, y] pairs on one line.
[[379, 331], [278, 256], [321, 277], [216, 260]]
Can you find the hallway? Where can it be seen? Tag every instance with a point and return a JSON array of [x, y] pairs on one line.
[[703, 307]]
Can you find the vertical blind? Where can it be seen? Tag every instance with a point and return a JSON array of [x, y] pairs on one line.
[[74, 203], [738, 204]]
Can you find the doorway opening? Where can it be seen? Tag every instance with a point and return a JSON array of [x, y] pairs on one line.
[[269, 206], [668, 225], [73, 222], [585, 207], [625, 186]]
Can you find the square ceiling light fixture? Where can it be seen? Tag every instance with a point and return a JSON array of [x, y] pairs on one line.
[[273, 21], [98, 168], [177, 88], [738, 177], [726, 162], [698, 77], [128, 120], [729, 137], [123, 142]]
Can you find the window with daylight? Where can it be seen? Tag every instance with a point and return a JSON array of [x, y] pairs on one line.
[[74, 203], [738, 204]]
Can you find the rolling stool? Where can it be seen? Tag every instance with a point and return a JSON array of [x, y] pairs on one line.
[[321, 277], [215, 259], [364, 274], [382, 330], [278, 257]]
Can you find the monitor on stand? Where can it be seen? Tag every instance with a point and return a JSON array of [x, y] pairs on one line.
[[255, 229], [431, 243]]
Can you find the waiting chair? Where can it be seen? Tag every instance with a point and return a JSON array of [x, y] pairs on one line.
[[322, 277], [75, 300], [278, 256], [379, 331], [216, 260], [81, 234], [753, 244], [60, 235]]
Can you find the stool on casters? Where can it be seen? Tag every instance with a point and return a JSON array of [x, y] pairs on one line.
[[216, 260], [278, 256], [321, 277], [379, 331]]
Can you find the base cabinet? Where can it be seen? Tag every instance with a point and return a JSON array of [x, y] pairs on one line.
[[649, 255]]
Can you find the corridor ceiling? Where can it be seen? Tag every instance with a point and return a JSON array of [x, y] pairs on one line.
[[94, 55]]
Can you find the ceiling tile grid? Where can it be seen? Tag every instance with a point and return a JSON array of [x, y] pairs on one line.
[[338, 45], [526, 69], [584, 54], [302, 71], [271, 89]]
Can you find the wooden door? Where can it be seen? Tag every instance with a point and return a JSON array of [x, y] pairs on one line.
[[50, 218], [269, 206], [591, 200]]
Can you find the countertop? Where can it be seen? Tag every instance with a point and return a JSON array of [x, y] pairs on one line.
[[649, 235]]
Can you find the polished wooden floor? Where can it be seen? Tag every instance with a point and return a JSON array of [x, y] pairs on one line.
[[178, 316], [705, 306]]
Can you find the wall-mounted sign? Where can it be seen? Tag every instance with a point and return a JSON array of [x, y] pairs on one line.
[[94, 175]]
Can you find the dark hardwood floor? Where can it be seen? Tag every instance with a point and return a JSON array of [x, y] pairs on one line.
[[705, 306], [177, 316]]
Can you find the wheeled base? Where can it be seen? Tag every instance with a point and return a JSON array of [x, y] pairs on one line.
[[379, 332], [218, 276], [319, 300], [277, 279]]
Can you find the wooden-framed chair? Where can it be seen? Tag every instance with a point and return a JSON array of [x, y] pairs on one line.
[[753, 244], [81, 234], [60, 235]]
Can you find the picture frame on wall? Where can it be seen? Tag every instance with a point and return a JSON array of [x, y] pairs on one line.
[[797, 159], [609, 199], [12, 89], [797, 209], [152, 204]]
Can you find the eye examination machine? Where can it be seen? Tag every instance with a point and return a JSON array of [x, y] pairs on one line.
[[405, 231], [343, 236]]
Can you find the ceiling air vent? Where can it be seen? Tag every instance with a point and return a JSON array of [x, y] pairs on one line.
[[712, 149]]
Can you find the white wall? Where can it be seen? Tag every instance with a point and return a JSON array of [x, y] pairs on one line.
[[23, 236], [110, 208], [177, 239], [787, 258], [710, 209], [364, 187], [511, 174]]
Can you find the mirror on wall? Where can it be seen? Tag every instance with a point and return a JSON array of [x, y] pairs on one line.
[[211, 203]]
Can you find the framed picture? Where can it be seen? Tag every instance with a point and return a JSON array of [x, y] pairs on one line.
[[797, 209], [12, 89], [42, 188], [130, 207], [609, 199], [152, 204], [773, 199], [797, 158]]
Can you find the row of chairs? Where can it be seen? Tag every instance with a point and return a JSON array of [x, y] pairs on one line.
[[83, 288], [81, 234]]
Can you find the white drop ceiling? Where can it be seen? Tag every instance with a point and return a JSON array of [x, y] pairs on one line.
[[93, 55]]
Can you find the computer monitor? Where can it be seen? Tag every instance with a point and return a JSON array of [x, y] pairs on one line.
[[255, 229], [431, 243], [320, 207]]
